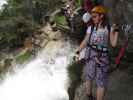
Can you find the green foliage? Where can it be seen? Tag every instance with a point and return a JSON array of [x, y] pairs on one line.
[[20, 18], [14, 31], [5, 67], [78, 3], [60, 20], [23, 57]]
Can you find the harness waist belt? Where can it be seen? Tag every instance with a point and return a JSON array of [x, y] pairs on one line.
[[98, 48]]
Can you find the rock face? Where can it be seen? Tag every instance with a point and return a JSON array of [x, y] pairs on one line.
[[42, 38], [52, 35], [120, 10], [80, 93]]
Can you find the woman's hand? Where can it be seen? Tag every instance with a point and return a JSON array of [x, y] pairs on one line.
[[77, 51], [115, 28], [76, 57], [98, 61]]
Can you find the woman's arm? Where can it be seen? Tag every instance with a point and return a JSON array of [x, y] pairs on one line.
[[84, 42], [114, 35], [82, 45], [114, 38]]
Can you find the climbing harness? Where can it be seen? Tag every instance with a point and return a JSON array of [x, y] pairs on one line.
[[98, 48], [102, 51], [69, 14]]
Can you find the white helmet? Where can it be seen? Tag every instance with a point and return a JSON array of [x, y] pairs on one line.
[[86, 17]]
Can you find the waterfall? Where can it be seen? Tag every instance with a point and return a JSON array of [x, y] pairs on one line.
[[2, 2], [43, 78]]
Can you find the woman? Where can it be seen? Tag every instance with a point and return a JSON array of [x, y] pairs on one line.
[[97, 41]]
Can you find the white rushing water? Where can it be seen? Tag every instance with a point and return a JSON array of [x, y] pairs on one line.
[[44, 78], [2, 2]]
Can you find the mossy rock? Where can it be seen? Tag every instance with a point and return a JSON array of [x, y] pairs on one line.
[[23, 57], [75, 70]]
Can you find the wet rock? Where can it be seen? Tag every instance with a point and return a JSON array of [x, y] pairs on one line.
[[51, 35], [2, 64], [8, 62], [47, 29], [28, 44], [55, 35], [80, 93], [44, 43], [53, 45], [120, 11]]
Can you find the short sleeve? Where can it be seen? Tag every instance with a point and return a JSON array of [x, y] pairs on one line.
[[111, 29], [88, 30]]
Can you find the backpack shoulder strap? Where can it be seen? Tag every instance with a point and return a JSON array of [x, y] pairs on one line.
[[92, 28], [109, 28]]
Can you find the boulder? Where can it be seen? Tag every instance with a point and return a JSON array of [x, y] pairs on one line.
[[55, 35], [44, 43]]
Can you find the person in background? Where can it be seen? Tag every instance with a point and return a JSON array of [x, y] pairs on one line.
[[69, 13], [87, 5]]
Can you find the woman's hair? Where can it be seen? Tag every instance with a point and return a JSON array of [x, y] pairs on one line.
[[105, 21]]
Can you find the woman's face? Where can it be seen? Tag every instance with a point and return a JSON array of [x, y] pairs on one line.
[[96, 18]]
